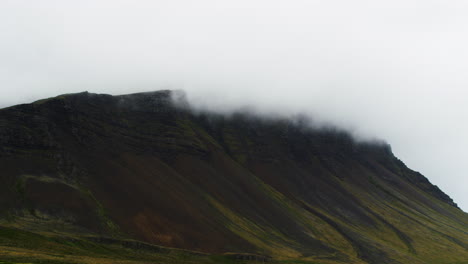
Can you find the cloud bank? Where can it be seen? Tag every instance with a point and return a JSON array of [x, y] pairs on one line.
[[395, 70]]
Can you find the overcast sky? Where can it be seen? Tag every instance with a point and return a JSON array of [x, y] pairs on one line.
[[395, 70]]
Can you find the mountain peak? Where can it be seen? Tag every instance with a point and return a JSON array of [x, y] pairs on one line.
[[139, 166]]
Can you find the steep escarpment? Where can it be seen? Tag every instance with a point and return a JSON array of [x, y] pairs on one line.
[[137, 166]]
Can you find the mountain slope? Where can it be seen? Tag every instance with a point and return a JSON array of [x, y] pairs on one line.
[[136, 166]]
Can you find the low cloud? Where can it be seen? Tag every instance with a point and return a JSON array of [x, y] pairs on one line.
[[394, 70]]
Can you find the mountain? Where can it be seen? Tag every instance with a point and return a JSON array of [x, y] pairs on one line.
[[99, 170]]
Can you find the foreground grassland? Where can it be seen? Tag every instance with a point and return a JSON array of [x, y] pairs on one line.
[[19, 246]]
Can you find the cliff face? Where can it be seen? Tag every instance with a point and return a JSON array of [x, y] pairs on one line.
[[136, 166]]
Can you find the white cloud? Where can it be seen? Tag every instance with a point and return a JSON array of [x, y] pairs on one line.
[[391, 69]]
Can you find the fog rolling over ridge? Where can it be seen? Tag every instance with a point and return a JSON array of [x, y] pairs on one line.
[[393, 70]]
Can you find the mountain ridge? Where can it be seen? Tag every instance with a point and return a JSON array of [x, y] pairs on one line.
[[139, 166]]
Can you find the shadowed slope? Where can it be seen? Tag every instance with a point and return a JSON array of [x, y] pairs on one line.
[[137, 166]]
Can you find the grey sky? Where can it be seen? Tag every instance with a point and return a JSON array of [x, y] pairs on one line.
[[395, 70]]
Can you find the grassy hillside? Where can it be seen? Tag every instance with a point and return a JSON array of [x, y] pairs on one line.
[[138, 167]]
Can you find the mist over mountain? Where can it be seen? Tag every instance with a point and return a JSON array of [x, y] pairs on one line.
[[233, 132], [388, 69]]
